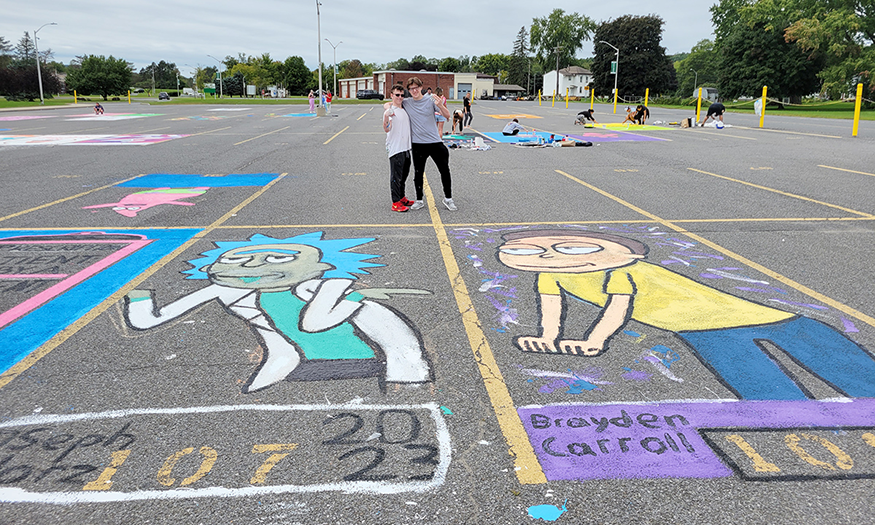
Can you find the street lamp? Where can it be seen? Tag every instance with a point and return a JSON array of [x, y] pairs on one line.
[[556, 93], [335, 62], [616, 74], [221, 91], [39, 74], [697, 79], [319, 41]]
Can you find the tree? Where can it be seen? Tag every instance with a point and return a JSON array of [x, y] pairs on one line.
[[19, 81], [295, 76], [700, 67], [399, 65], [753, 57], [450, 65], [98, 75], [518, 65], [558, 30], [5, 55], [841, 32], [493, 63], [643, 62], [25, 50], [165, 75]]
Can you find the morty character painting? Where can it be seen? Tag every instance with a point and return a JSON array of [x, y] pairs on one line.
[[726, 332], [297, 296]]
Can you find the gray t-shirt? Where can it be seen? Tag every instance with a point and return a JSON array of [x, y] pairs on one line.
[[423, 127]]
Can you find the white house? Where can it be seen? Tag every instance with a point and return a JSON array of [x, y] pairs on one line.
[[573, 78]]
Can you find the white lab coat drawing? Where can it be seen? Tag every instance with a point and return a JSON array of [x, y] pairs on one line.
[[326, 308]]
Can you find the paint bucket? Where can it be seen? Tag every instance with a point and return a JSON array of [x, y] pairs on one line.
[[478, 142]]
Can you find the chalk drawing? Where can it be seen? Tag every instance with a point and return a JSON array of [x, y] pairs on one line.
[[609, 271], [135, 203], [298, 297]]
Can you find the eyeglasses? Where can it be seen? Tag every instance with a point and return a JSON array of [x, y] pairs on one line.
[[397, 94]]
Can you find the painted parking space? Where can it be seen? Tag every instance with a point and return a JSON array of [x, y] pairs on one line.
[[754, 356], [85, 140]]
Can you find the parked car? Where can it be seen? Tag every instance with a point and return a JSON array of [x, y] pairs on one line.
[[364, 94], [163, 96]]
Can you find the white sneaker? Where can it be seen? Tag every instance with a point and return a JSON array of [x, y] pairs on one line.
[[450, 204], [417, 205]]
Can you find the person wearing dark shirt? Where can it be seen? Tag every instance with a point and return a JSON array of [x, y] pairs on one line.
[[585, 115], [715, 111], [641, 114]]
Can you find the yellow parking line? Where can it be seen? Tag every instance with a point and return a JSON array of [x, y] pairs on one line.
[[210, 131], [790, 132], [725, 135], [528, 468], [849, 171], [262, 135], [361, 117], [335, 135], [80, 323], [65, 199], [847, 310], [793, 195]]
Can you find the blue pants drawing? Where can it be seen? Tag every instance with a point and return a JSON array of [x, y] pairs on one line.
[[747, 369]]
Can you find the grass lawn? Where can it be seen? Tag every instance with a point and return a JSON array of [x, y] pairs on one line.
[[840, 110]]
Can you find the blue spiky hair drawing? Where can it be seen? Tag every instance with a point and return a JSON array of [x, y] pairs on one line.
[[333, 252]]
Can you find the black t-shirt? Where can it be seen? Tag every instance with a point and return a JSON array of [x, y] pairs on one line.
[[716, 108]]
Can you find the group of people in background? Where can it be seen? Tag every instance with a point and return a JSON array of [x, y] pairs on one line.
[[325, 101]]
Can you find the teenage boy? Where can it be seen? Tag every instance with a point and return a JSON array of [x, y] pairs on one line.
[[426, 142], [726, 332], [396, 124], [512, 128]]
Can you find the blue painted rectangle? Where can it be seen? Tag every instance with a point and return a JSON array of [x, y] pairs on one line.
[[172, 180]]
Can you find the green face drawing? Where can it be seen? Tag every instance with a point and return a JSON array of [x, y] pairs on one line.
[[267, 267]]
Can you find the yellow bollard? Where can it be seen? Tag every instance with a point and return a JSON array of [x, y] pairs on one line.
[[615, 101], [699, 106], [646, 95], [129, 96], [763, 111], [591, 98], [857, 109], [566, 98], [75, 99], [539, 97]]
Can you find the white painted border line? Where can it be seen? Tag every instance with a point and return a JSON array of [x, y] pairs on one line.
[[18, 495]]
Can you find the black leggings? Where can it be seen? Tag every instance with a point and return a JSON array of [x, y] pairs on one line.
[[441, 157], [468, 118]]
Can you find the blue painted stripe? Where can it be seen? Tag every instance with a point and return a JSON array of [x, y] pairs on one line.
[[30, 332]]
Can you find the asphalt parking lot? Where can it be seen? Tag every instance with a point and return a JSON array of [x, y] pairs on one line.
[[210, 314]]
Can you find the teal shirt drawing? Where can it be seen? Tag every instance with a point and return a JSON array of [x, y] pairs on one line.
[[340, 342]]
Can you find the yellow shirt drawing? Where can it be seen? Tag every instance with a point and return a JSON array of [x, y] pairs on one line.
[[662, 298]]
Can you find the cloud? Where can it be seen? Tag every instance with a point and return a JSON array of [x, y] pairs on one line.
[[185, 32]]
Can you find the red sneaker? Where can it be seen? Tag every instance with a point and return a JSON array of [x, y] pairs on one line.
[[399, 207], [405, 201]]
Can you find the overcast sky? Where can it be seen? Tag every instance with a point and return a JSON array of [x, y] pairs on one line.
[[186, 31]]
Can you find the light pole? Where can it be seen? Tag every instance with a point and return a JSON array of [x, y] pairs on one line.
[[616, 75], [697, 79], [321, 111], [556, 93], [221, 91], [39, 74], [335, 63]]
